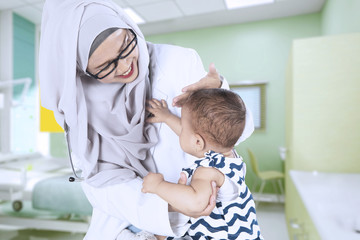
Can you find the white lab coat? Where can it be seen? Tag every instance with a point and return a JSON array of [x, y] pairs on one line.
[[121, 205]]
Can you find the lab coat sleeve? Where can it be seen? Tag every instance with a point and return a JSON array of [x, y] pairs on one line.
[[224, 84], [126, 204]]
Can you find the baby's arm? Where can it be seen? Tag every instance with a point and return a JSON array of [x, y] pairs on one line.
[[185, 198], [162, 113]]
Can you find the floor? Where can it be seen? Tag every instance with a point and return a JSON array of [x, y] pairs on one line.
[[39, 235], [271, 219]]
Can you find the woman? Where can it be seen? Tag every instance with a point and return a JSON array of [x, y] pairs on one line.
[[96, 71]]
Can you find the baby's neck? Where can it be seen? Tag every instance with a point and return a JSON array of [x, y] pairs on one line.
[[227, 152]]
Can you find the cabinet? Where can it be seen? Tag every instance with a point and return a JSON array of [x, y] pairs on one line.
[[322, 116]]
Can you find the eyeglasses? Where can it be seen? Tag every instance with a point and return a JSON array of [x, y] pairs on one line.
[[110, 67]]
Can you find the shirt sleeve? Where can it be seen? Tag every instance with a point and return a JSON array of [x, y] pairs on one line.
[[224, 83], [129, 206]]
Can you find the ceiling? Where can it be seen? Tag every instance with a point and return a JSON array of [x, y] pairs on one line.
[[164, 16]]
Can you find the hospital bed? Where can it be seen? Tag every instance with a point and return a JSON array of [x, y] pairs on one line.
[[34, 189], [51, 201], [13, 190], [13, 180]]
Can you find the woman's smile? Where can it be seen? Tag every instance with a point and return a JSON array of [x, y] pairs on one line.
[[128, 73]]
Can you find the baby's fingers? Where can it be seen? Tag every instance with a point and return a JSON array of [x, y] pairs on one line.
[[154, 103], [164, 103], [150, 109], [152, 120]]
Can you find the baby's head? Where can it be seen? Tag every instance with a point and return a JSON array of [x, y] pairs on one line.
[[214, 116]]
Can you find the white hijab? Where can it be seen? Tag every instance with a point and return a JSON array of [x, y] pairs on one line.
[[106, 121]]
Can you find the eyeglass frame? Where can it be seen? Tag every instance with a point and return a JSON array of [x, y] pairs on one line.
[[116, 60]]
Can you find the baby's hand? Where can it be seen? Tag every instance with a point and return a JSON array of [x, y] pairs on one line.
[[151, 182], [159, 110]]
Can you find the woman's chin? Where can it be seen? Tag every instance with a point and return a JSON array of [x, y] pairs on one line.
[[124, 80], [120, 79]]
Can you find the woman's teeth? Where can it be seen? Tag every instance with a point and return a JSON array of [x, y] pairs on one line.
[[127, 72]]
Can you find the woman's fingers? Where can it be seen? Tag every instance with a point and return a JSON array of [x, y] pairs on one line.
[[212, 201], [182, 180], [211, 80], [179, 99], [212, 70]]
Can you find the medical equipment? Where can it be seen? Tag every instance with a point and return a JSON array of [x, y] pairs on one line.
[[37, 185], [67, 137], [5, 109], [49, 201], [12, 186], [16, 175], [25, 81]]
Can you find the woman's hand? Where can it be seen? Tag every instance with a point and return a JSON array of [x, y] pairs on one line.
[[211, 80], [207, 210]]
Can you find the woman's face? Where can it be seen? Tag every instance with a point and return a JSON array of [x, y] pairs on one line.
[[110, 49]]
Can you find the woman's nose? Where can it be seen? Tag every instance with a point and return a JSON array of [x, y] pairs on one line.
[[123, 64], [124, 61]]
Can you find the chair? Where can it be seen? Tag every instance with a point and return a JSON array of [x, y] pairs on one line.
[[265, 176]]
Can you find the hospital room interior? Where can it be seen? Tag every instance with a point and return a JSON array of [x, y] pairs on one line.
[[295, 63]]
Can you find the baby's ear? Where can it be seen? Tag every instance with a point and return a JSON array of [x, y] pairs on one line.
[[200, 143]]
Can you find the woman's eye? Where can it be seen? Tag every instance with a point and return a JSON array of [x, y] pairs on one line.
[[127, 41]]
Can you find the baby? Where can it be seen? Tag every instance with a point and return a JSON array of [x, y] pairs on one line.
[[212, 120]]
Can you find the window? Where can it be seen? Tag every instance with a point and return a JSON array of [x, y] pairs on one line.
[[253, 94]]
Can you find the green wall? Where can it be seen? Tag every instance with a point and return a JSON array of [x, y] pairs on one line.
[[23, 50], [341, 16], [253, 51]]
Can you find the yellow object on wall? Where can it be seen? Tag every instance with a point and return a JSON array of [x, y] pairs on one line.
[[322, 117], [48, 122]]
